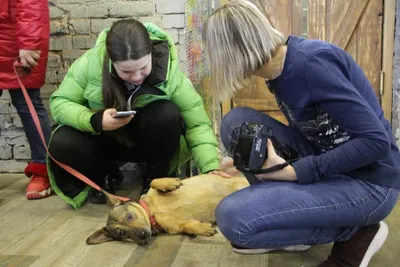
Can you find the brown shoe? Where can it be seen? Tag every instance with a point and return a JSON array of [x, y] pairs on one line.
[[359, 249]]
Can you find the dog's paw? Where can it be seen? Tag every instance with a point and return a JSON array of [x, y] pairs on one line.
[[206, 229], [166, 184], [172, 185]]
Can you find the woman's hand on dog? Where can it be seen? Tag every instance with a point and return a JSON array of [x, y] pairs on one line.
[[286, 174], [110, 123], [221, 173], [227, 169]]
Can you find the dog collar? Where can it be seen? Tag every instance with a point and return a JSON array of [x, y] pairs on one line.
[[151, 216]]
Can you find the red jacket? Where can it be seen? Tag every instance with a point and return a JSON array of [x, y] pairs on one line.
[[24, 24]]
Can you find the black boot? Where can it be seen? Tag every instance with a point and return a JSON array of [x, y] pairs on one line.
[[359, 249], [117, 177], [96, 197], [145, 185]]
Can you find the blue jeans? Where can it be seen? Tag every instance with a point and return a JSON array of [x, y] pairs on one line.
[[277, 214], [38, 151]]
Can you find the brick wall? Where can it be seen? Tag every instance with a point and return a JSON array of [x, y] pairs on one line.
[[74, 28]]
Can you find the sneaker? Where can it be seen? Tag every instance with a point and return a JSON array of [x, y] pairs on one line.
[[38, 187], [359, 249], [250, 251]]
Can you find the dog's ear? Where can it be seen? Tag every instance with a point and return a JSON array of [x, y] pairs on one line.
[[112, 201], [98, 237]]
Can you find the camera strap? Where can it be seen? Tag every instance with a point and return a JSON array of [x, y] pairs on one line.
[[275, 168], [268, 170]]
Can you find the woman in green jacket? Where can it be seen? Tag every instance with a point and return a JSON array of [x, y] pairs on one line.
[[133, 66]]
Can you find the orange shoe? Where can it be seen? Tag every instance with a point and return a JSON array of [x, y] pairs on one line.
[[38, 187]]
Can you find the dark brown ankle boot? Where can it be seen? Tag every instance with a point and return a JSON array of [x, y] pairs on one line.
[[359, 249]]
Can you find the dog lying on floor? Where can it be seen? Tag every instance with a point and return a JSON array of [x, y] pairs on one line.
[[172, 206]]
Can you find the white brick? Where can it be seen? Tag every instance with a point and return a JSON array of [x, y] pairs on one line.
[[5, 95], [12, 166], [69, 57], [98, 25], [5, 107], [181, 50], [132, 9], [16, 121], [80, 26], [182, 37], [47, 90], [61, 43], [173, 21], [58, 27], [170, 6], [58, 2], [173, 33], [83, 41], [22, 152], [72, 55], [5, 151], [5, 121], [51, 75], [56, 13], [91, 11], [152, 19], [54, 61], [14, 137]]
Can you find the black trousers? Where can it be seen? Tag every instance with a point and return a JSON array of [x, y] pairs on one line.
[[155, 130]]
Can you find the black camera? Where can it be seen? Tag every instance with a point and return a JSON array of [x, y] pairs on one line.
[[251, 148], [250, 151]]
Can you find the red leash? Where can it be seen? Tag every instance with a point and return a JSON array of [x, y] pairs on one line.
[[23, 71]]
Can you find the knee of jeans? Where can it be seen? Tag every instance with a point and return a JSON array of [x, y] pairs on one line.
[[231, 121], [385, 208], [226, 216]]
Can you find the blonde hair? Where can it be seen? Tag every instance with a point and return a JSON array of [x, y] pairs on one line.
[[238, 40]]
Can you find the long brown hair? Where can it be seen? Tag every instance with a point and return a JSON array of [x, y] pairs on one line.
[[127, 39]]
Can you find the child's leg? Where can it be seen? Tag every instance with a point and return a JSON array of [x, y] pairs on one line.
[[156, 130], [39, 185], [92, 155], [84, 152], [17, 99]]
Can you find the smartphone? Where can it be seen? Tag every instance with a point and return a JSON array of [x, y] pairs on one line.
[[123, 114]]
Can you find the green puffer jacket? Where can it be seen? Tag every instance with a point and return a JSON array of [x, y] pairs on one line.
[[79, 96]]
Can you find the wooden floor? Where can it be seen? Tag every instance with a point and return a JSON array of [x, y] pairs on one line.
[[49, 233]]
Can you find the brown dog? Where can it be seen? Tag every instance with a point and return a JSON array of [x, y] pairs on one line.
[[172, 206]]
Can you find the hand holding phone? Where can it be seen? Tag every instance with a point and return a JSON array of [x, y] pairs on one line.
[[113, 120], [124, 114]]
